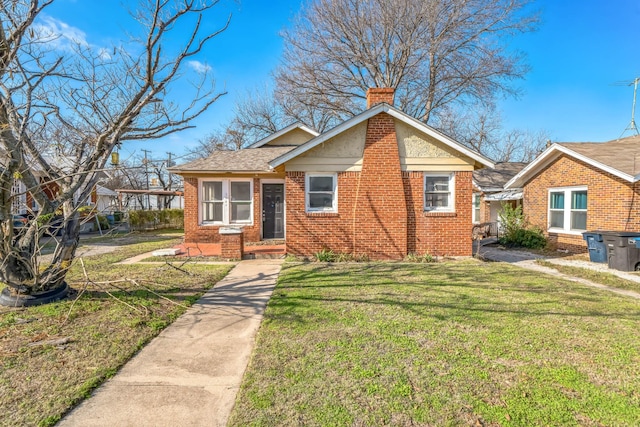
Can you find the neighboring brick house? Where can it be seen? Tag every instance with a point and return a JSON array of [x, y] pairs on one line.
[[489, 193], [382, 184], [575, 187]]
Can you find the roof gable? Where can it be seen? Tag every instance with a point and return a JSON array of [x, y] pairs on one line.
[[269, 140], [619, 157], [248, 160], [396, 114], [488, 179]]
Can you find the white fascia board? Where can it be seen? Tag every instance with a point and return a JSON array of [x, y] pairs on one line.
[[281, 132], [552, 153], [366, 115]]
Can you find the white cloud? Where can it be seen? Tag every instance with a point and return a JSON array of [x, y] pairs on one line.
[[199, 67], [59, 34]]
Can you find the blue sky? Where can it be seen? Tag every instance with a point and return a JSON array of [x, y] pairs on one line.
[[581, 52]]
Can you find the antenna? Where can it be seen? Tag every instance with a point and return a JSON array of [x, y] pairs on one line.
[[632, 124]]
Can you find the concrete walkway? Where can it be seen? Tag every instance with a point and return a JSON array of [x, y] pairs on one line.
[[189, 375]]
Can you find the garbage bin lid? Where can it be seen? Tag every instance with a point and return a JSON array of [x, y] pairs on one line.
[[619, 233]]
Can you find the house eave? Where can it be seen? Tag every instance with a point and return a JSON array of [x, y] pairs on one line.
[[219, 172]]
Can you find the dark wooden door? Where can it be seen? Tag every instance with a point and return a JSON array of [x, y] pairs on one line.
[[273, 211]]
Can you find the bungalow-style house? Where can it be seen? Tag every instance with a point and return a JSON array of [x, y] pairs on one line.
[[489, 193], [381, 184], [576, 187]]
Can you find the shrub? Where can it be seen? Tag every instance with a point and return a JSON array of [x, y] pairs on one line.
[[325, 255], [532, 238], [104, 223], [516, 231], [425, 258], [166, 218]]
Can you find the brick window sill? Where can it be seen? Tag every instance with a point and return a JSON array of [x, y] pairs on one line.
[[323, 214], [439, 214]]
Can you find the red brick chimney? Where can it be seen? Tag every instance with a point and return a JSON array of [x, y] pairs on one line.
[[381, 210], [377, 95]]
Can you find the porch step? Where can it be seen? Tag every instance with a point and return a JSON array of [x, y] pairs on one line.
[[264, 254]]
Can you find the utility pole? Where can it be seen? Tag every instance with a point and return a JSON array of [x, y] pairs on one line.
[[170, 181], [146, 174], [169, 164]]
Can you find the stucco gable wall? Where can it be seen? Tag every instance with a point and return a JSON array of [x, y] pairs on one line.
[[612, 203], [294, 137], [421, 152], [341, 153], [418, 152]]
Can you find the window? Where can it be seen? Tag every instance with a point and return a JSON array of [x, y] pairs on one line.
[[438, 193], [241, 201], [321, 193], [212, 201], [476, 207], [227, 202], [568, 209]]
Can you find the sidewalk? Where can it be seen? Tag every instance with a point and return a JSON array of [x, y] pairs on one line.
[[189, 375]]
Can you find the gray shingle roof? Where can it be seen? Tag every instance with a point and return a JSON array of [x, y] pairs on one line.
[[497, 177], [621, 154], [247, 160]]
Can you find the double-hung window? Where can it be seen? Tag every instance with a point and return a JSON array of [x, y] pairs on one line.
[[321, 193], [568, 209], [227, 201], [439, 192]]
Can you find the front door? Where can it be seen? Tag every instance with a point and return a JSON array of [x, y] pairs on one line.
[[272, 211]]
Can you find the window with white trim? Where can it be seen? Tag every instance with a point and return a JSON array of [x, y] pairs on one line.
[[439, 192], [321, 192], [476, 207], [226, 201], [568, 209]]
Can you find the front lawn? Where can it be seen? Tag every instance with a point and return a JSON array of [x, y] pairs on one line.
[[460, 343], [53, 356]]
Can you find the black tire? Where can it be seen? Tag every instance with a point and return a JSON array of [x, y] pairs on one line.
[[11, 299]]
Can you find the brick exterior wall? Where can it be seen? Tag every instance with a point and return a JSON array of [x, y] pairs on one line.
[[308, 233], [439, 233], [436, 233], [612, 203], [196, 233]]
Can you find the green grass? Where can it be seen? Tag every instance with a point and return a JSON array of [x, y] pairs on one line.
[[603, 278], [39, 383], [461, 343]]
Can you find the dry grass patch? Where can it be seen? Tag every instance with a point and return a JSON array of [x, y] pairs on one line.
[[459, 343], [53, 356]]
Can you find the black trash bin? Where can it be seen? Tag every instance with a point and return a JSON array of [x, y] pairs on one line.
[[597, 247], [622, 253]]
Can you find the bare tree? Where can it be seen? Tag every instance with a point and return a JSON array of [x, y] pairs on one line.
[[481, 129], [434, 53], [61, 115], [231, 138]]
